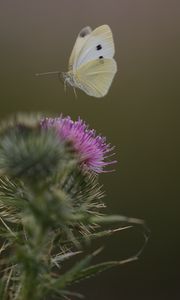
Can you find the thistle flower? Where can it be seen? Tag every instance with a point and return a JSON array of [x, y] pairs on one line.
[[91, 149]]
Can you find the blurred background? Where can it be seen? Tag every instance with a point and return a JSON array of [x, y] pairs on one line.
[[139, 116]]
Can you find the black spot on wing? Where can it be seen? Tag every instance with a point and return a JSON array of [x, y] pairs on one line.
[[98, 47], [100, 59], [85, 31]]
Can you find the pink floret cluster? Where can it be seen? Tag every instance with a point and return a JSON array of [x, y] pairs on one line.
[[92, 150]]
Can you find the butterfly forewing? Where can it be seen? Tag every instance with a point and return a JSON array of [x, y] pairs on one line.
[[95, 77], [79, 43], [98, 44]]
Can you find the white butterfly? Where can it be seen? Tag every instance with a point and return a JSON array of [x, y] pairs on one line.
[[91, 64]]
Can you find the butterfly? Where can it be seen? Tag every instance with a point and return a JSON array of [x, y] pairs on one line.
[[91, 65]]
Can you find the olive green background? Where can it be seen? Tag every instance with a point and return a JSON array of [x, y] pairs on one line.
[[140, 115]]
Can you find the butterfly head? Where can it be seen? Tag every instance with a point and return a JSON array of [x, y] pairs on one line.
[[68, 78]]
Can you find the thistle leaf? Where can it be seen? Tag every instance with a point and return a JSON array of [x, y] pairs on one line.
[[106, 219], [101, 267], [73, 274]]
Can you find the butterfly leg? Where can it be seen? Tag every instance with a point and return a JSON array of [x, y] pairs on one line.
[[75, 92], [60, 77], [65, 87]]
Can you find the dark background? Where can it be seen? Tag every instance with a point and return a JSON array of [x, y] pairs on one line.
[[139, 115]]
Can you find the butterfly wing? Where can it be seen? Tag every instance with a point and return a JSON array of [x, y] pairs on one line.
[[98, 44], [80, 41], [95, 77]]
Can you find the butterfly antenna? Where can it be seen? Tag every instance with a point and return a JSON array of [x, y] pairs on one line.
[[48, 73]]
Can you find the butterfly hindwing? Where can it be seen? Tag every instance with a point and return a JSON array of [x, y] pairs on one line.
[[95, 77], [99, 43]]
